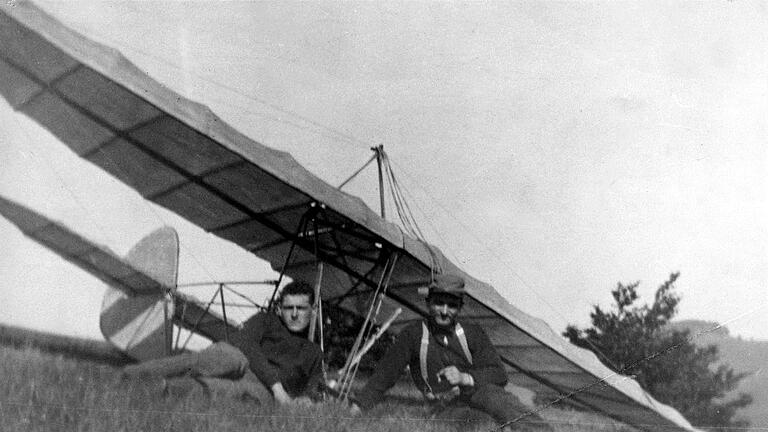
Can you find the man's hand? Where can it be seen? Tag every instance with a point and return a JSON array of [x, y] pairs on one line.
[[281, 396], [456, 377], [355, 410], [303, 401]]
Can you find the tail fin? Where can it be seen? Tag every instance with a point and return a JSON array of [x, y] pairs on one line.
[[140, 325]]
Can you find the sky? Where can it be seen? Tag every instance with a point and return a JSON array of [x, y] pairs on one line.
[[550, 149]]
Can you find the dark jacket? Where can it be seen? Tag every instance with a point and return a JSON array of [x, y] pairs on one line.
[[486, 367], [277, 355]]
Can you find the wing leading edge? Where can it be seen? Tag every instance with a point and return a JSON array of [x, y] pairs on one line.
[[178, 154]]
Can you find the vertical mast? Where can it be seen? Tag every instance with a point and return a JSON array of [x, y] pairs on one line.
[[379, 150]]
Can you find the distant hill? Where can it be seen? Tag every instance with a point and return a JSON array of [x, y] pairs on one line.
[[743, 355]]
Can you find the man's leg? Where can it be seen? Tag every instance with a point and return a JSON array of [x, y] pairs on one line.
[[253, 387], [504, 407], [246, 388], [460, 414], [218, 360], [164, 367], [222, 360]]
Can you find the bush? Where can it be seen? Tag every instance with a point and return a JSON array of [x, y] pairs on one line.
[[636, 341]]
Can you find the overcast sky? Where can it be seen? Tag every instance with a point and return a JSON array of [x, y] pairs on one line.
[[550, 149]]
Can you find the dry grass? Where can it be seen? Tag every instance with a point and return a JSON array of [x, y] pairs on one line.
[[46, 392]]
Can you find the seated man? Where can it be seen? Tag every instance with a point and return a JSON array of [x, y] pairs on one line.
[[273, 348], [448, 360]]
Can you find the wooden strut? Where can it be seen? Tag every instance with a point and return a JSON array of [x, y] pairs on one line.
[[224, 313], [375, 156], [167, 327], [204, 284], [199, 320], [379, 160], [252, 302], [343, 378], [378, 152], [317, 306], [173, 345], [320, 313], [315, 320], [373, 339], [317, 309], [350, 370], [301, 228], [178, 333]]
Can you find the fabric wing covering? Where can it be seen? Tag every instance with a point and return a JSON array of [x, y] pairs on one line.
[[180, 155]]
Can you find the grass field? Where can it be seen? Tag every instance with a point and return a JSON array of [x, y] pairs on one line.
[[50, 392]]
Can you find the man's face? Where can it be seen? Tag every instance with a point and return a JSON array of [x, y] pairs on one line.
[[443, 309], [296, 311]]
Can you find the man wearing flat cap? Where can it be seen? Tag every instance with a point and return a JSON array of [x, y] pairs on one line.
[[454, 365]]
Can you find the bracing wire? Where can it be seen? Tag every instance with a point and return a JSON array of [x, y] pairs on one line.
[[243, 296], [468, 230], [524, 282], [62, 181], [405, 214], [200, 318], [350, 139], [414, 201]]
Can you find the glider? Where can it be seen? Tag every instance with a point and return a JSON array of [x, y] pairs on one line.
[[179, 155]]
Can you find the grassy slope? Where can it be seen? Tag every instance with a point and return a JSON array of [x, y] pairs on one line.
[[46, 392]]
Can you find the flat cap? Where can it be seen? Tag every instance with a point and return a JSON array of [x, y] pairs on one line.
[[447, 284]]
